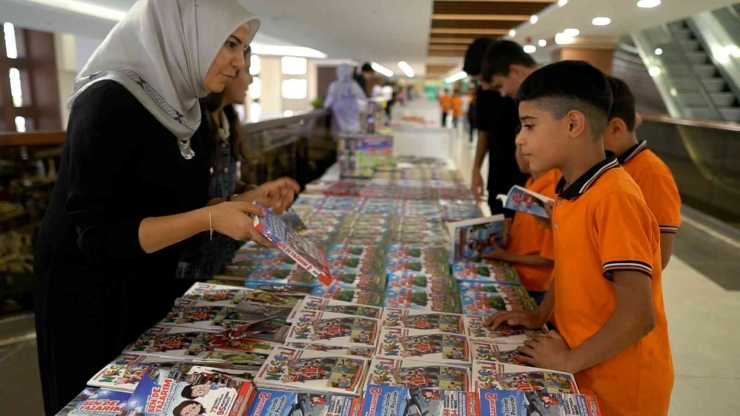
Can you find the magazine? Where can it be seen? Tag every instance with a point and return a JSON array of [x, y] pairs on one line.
[[423, 321], [484, 272], [475, 329], [358, 296], [290, 368], [283, 289], [423, 346], [333, 350], [514, 402], [195, 394], [491, 375], [304, 252], [289, 403], [421, 300], [491, 351], [397, 400], [523, 200], [334, 329], [474, 238], [423, 282], [93, 401], [292, 220], [313, 303], [419, 374]]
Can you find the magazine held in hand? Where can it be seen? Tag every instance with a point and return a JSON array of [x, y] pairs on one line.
[[524, 200]]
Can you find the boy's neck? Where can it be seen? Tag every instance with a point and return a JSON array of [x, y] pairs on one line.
[[625, 143], [582, 160], [536, 175]]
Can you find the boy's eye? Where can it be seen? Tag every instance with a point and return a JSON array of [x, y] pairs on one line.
[[528, 126], [230, 44]]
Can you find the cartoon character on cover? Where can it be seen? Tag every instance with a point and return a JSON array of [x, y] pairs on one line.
[[198, 390], [455, 354], [430, 395], [362, 338], [189, 408], [317, 399]]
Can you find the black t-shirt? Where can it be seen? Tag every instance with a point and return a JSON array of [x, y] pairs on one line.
[[499, 117]]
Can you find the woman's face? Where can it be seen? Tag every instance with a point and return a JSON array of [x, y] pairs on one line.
[[236, 91], [229, 60]]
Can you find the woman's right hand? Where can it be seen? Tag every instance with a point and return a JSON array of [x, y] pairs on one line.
[[233, 219]]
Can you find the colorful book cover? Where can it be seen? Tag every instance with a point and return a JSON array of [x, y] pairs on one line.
[[523, 200], [334, 329], [474, 238], [491, 351], [423, 346], [475, 328], [284, 289], [510, 290], [423, 282], [483, 272], [421, 300], [310, 371], [423, 321], [285, 403], [396, 400], [483, 304], [513, 402], [333, 350], [292, 220], [95, 401], [304, 252], [216, 294], [174, 395], [418, 374], [345, 294], [491, 375], [316, 304]]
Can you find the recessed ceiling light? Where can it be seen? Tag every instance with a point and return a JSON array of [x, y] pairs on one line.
[[563, 39], [562, 3], [512, 33], [380, 68], [572, 32], [648, 4], [534, 19], [530, 48], [658, 51], [456, 77], [654, 71], [406, 68], [542, 43], [601, 21]]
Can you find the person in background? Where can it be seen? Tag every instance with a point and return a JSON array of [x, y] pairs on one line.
[[606, 294], [457, 107], [202, 256], [497, 122], [401, 95], [472, 110], [343, 98], [410, 93], [133, 183], [506, 66], [390, 93], [527, 236], [367, 73], [651, 174], [445, 103]]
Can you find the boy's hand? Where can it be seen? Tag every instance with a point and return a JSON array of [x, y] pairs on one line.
[[531, 320], [547, 222], [498, 253], [549, 351]]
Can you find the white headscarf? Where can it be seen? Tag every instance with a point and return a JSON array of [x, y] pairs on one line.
[[161, 52], [345, 86]]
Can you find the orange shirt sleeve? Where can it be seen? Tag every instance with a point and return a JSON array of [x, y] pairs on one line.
[[661, 196], [626, 234]]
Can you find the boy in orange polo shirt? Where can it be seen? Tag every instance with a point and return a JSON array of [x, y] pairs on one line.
[[527, 236], [649, 172], [607, 293]]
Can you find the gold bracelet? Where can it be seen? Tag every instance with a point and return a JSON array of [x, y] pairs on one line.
[[210, 221]]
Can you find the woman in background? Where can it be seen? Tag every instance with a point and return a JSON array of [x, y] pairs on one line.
[[343, 98]]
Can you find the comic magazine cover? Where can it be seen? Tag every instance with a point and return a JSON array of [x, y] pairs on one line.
[[292, 220], [358, 296], [523, 200], [95, 401], [271, 330], [475, 329], [423, 346], [283, 289], [280, 273], [334, 329], [306, 370], [484, 272], [192, 314], [515, 403], [304, 252], [333, 350], [195, 394], [312, 303], [483, 304], [458, 210], [421, 300], [423, 282], [491, 375], [491, 351], [423, 321], [510, 290], [287, 403], [216, 294], [397, 400], [418, 374], [474, 238]]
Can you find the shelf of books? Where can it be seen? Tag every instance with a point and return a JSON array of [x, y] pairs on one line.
[[374, 303]]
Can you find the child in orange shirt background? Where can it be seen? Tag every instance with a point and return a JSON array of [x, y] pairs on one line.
[[445, 103], [457, 108]]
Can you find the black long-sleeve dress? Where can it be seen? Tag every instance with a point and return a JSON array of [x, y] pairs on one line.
[[97, 290]]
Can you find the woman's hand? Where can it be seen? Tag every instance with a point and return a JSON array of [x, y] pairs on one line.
[[276, 195], [233, 219]]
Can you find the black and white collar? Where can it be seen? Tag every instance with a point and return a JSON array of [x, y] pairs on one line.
[[632, 152], [582, 184]]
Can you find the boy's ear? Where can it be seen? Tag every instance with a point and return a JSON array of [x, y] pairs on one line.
[[576, 123], [616, 126]]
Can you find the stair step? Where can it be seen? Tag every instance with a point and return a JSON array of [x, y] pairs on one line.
[[731, 114], [721, 99], [683, 85], [702, 113], [683, 34], [689, 45], [677, 25], [674, 57], [702, 71]]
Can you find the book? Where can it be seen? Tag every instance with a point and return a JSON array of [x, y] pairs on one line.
[[292, 220], [94, 401], [474, 238], [421, 300], [423, 321], [334, 329], [196, 394], [396, 400], [491, 351], [423, 282], [514, 402], [316, 304], [484, 272], [304, 252], [358, 296], [304, 370], [419, 374], [270, 402], [284, 289], [523, 200], [504, 334], [491, 375], [333, 350], [423, 346]]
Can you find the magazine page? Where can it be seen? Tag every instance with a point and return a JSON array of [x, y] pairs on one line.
[[490, 375], [489, 272], [345, 294], [490, 351], [474, 238], [423, 282], [284, 403], [333, 350], [524, 200], [514, 402], [421, 300], [423, 321], [419, 374], [476, 329], [93, 401], [423, 346], [316, 304]]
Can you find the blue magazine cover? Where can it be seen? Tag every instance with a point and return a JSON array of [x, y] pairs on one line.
[[285, 403], [410, 401], [96, 402], [523, 403], [524, 200], [473, 239]]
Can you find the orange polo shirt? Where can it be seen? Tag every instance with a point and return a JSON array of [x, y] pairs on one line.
[[457, 110], [601, 224], [446, 103], [527, 236], [657, 184]]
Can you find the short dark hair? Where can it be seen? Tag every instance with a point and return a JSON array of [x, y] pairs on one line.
[[187, 392], [623, 102], [474, 55], [367, 67], [501, 56], [177, 411], [570, 85]]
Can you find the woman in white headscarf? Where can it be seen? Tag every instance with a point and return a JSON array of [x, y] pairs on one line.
[[133, 183], [343, 99]]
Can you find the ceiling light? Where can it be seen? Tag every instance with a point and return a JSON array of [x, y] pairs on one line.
[[572, 32], [84, 8], [601, 21], [456, 77], [534, 19], [654, 71], [542, 43], [733, 50], [297, 51], [648, 4], [530, 48], [380, 68], [674, 92], [563, 39], [658, 51], [406, 68], [720, 54], [562, 3], [512, 33]]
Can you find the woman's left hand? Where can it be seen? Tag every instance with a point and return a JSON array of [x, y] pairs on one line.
[[276, 195]]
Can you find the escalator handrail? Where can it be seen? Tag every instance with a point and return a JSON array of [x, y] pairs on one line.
[[718, 125]]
